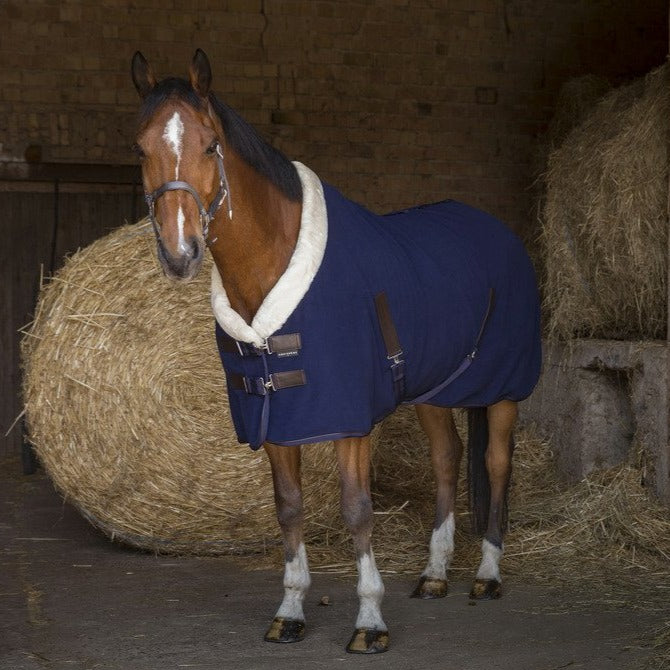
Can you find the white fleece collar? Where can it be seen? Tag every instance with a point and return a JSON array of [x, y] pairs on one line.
[[297, 278]]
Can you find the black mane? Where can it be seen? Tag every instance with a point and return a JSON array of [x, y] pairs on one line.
[[242, 137]]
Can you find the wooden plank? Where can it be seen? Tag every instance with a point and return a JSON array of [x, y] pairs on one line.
[[663, 475], [33, 240], [27, 233], [83, 218], [70, 172]]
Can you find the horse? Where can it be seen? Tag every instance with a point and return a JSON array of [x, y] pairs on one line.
[[329, 316]]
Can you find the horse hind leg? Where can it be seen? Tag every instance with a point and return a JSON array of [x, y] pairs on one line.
[[498, 438], [446, 450], [288, 624], [353, 458]]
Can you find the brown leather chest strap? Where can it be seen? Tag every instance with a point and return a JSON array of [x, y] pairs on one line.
[[275, 382], [392, 345], [281, 345], [389, 333]]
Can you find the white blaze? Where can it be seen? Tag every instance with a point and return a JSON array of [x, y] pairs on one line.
[[180, 228], [172, 134]]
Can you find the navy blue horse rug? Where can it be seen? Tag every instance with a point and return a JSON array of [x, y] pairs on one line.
[[436, 304]]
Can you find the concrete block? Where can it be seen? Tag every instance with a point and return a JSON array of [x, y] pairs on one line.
[[587, 416], [596, 398]]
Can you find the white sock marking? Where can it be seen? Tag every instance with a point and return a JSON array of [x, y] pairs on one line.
[[172, 134], [441, 549], [296, 583], [370, 592], [489, 567]]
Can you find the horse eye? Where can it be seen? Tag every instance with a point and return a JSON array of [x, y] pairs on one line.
[[138, 150], [211, 149]]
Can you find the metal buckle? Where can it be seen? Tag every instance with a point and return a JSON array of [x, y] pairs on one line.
[[396, 358], [257, 385]]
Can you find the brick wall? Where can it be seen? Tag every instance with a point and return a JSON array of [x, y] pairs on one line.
[[396, 102]]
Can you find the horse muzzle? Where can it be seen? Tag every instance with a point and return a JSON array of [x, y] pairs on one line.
[[186, 265]]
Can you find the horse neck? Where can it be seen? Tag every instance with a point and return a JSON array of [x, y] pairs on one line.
[[253, 249]]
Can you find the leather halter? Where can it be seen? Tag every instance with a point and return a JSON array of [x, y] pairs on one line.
[[206, 215]]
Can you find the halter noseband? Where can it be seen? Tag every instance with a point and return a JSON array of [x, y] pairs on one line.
[[206, 215]]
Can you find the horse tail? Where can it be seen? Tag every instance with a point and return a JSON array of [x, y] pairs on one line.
[[478, 478]]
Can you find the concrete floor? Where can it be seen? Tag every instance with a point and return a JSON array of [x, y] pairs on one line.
[[71, 600]]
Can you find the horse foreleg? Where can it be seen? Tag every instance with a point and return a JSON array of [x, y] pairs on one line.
[[446, 450], [289, 622], [353, 458], [501, 420]]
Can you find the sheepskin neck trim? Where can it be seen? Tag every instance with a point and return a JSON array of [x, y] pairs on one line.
[[291, 287]]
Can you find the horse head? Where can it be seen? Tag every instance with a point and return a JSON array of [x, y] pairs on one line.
[[180, 146]]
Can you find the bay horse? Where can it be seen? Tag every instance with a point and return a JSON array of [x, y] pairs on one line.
[[328, 316]]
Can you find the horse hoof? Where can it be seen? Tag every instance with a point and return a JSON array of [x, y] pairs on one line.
[[368, 641], [428, 588], [486, 589], [285, 630]]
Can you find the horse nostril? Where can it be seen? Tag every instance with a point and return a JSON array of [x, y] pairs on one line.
[[195, 250]]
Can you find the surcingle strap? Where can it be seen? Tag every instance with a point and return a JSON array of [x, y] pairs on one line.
[[392, 344], [465, 364], [489, 309]]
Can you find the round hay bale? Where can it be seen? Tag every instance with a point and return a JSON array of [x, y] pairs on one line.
[[604, 231], [126, 405], [576, 98]]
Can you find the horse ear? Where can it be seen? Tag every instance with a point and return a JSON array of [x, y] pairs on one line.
[[201, 73], [143, 75]]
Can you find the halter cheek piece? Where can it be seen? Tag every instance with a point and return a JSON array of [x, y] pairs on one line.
[[206, 215]]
